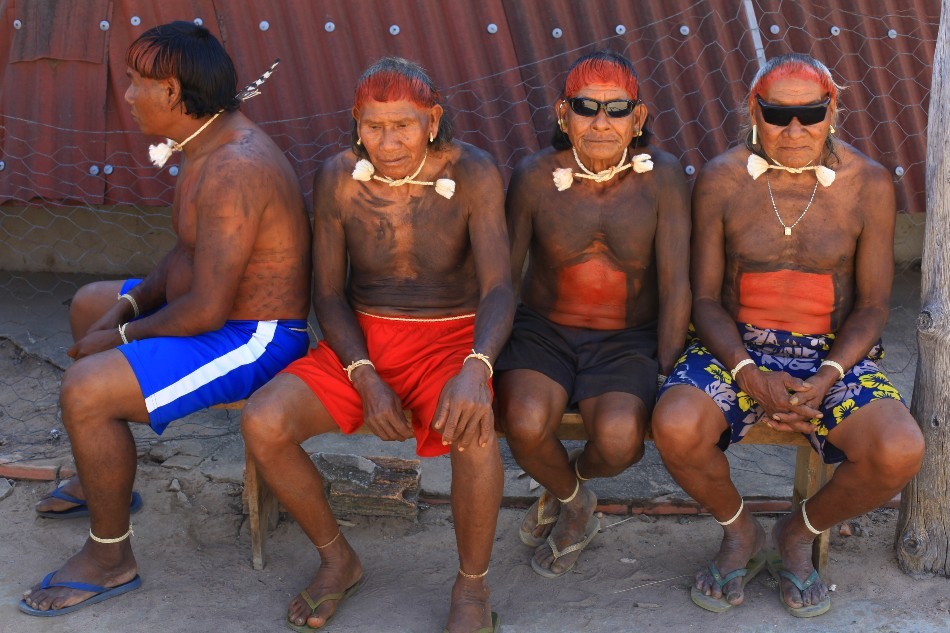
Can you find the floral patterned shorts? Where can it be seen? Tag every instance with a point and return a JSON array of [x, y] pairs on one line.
[[798, 354]]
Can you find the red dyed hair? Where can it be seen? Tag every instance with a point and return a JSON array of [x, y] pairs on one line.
[[396, 79], [603, 67], [793, 66]]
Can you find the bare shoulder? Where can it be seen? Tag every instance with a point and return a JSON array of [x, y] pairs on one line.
[[537, 165], [728, 167], [855, 163], [473, 169]]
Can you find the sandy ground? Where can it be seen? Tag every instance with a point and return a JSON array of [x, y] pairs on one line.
[[194, 560]]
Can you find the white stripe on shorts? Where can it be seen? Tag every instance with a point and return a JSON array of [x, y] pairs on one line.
[[243, 355]]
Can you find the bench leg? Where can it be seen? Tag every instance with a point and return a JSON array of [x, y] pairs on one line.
[[810, 475], [261, 510]]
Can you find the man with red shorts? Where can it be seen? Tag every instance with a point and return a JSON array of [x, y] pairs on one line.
[[413, 292]]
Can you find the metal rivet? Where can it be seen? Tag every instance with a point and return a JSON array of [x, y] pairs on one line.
[[329, 27], [17, 24], [3, 165], [690, 170], [173, 170], [94, 170], [104, 25], [264, 25], [835, 30], [684, 30], [556, 33], [135, 21], [620, 29], [198, 22], [892, 34], [899, 171], [492, 28], [774, 29], [394, 29], [107, 170]]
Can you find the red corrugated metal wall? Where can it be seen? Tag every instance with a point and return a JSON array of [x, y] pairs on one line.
[[500, 64]]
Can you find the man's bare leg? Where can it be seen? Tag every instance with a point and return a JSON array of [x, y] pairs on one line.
[[278, 418], [89, 303], [884, 448], [477, 481], [531, 407], [616, 424], [99, 393], [686, 428]]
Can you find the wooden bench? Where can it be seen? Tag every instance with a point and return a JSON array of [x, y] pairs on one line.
[[811, 473]]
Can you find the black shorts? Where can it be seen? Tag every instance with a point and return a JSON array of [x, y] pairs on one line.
[[586, 363]]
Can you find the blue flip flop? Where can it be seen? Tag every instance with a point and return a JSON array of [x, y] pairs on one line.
[[101, 593], [747, 573], [778, 571], [81, 509]]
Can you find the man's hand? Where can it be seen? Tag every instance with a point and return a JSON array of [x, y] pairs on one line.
[[464, 414], [790, 403], [382, 409], [94, 342]]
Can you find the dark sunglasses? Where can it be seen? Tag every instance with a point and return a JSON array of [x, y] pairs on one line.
[[616, 109], [782, 115]]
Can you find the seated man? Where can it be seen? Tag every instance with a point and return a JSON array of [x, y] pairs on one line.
[[789, 306], [413, 294], [222, 313], [605, 298]]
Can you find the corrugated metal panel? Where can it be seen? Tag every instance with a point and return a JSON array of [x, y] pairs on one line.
[[695, 61], [52, 99], [882, 51]]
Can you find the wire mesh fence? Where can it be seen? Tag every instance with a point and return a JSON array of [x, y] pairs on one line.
[[72, 213]]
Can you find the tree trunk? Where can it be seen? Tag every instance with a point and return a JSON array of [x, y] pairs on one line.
[[923, 527]]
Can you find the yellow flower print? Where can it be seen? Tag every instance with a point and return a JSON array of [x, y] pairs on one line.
[[719, 373], [843, 410], [874, 380]]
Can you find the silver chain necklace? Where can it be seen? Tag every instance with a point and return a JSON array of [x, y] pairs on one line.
[[788, 229]]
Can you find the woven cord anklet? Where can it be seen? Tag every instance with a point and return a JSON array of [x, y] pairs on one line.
[[735, 516], [811, 528], [339, 533], [473, 576], [577, 488], [109, 541]]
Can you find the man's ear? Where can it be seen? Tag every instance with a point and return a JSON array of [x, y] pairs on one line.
[[172, 89], [435, 116]]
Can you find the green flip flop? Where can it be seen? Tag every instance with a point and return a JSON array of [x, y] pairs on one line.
[[747, 573], [778, 571], [314, 604]]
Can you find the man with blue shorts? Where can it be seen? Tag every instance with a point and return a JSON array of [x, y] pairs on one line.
[[221, 314]]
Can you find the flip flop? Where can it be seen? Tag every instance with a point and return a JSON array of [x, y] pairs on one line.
[[527, 536], [81, 509], [778, 571], [314, 604], [494, 628], [747, 573], [101, 593], [593, 527]]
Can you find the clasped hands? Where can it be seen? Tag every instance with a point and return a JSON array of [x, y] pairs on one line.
[[790, 403]]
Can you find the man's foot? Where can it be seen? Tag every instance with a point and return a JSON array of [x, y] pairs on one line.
[[539, 520], [339, 575], [104, 565], [741, 548], [575, 527], [470, 612], [68, 502], [801, 589]]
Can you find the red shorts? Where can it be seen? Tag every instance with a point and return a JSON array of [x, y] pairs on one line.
[[416, 357]]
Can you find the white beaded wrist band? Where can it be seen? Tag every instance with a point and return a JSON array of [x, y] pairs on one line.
[[742, 363], [484, 358], [834, 364], [122, 333], [109, 541], [135, 306], [357, 363]]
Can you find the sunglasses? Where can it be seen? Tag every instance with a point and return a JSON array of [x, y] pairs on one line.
[[616, 109], [782, 115]]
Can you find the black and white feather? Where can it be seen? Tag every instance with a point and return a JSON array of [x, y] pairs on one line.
[[253, 89]]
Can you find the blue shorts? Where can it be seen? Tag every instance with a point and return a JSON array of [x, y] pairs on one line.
[[179, 375], [799, 355]]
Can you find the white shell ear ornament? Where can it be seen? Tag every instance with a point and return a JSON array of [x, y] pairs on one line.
[[564, 176], [756, 166], [364, 171], [161, 152]]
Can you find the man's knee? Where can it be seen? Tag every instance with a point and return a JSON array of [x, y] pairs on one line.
[[619, 443], [678, 424], [80, 392], [266, 422], [526, 421], [896, 449]]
